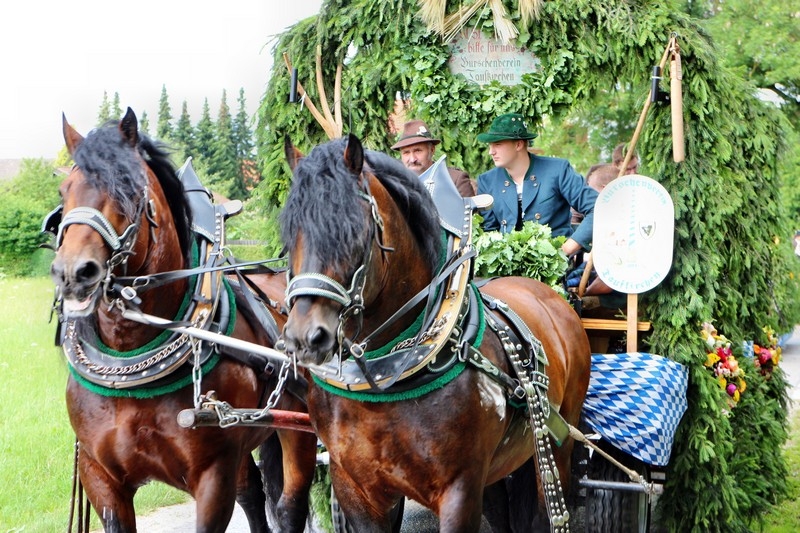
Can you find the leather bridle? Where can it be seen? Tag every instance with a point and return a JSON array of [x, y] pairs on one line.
[[314, 284], [121, 245]]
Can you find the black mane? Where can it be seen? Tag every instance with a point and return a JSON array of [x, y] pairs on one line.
[[109, 164], [324, 204]]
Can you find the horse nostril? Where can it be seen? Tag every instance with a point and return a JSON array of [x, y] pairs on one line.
[[318, 338], [87, 272]]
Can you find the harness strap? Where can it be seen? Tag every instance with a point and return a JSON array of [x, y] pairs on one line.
[[456, 261], [477, 359], [152, 281], [95, 219], [258, 308], [544, 419]]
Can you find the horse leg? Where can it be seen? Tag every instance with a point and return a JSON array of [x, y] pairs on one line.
[[299, 450], [212, 493], [271, 460], [112, 502], [461, 508], [495, 507], [511, 504], [361, 516], [250, 495]]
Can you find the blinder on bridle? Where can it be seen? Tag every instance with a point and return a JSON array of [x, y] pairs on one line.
[[121, 245], [352, 300]]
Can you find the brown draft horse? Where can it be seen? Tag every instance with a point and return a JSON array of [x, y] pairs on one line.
[[442, 448], [123, 180]]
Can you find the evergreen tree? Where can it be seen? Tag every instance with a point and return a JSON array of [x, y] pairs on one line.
[[104, 113], [116, 109], [224, 165], [144, 124], [243, 140], [183, 136], [242, 134], [164, 129], [204, 134]]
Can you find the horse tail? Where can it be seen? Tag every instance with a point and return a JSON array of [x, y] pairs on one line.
[[271, 455]]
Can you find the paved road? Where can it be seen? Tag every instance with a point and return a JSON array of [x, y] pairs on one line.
[[180, 518]]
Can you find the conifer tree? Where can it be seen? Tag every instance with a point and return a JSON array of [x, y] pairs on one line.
[[243, 140], [242, 134], [144, 123], [183, 136], [104, 113], [204, 133], [224, 166], [116, 109], [164, 129]]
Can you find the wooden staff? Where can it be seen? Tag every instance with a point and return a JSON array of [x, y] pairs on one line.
[[676, 74], [676, 102], [332, 124]]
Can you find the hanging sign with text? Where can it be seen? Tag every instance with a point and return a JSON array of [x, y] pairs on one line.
[[482, 60], [634, 222]]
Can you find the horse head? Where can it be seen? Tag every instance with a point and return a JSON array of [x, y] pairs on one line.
[[347, 212], [115, 218]]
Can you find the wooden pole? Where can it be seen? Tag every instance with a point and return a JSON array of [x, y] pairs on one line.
[[632, 343], [676, 103], [643, 114]]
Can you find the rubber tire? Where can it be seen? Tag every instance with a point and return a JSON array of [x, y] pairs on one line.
[[340, 521], [613, 511]]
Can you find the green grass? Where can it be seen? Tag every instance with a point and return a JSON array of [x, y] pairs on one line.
[[785, 517], [36, 440]]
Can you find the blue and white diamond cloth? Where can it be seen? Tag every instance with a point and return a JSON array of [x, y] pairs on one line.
[[635, 401]]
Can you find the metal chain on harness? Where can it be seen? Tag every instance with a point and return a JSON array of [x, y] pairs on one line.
[[230, 416], [538, 409], [197, 371]]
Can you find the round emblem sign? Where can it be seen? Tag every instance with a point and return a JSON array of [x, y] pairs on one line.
[[634, 221]]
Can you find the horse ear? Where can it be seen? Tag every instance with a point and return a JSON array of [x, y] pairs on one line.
[[354, 154], [129, 127], [71, 137], [293, 155]]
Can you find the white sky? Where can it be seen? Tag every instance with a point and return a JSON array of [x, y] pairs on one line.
[[60, 56]]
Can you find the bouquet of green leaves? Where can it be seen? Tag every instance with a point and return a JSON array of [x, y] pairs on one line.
[[531, 252]]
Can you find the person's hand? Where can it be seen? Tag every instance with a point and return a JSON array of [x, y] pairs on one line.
[[570, 247]]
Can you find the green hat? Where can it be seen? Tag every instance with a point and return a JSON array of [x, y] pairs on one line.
[[510, 126]]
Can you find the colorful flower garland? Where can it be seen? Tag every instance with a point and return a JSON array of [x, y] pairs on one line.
[[720, 359], [766, 358]]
